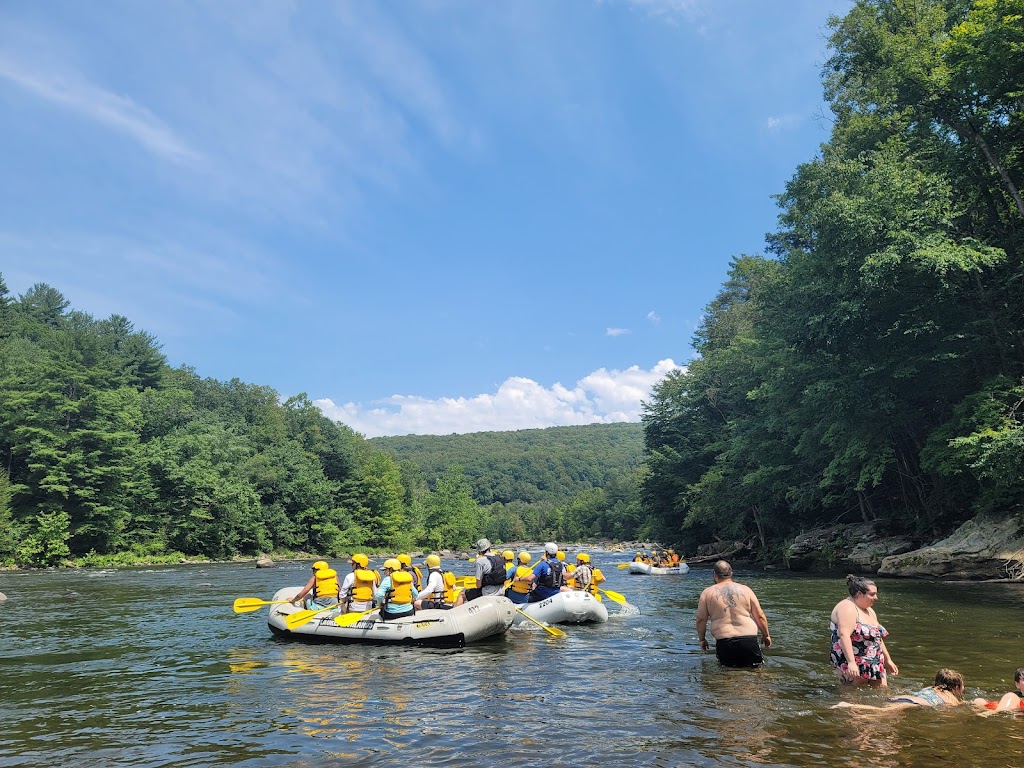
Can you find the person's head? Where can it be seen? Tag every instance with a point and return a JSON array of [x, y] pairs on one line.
[[560, 555], [861, 587], [319, 565], [509, 556], [432, 561], [722, 570], [391, 564], [359, 560], [525, 557], [949, 680], [1018, 676], [404, 560], [483, 546], [582, 557], [551, 549]]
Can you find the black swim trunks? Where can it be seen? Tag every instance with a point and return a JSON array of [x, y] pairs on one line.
[[739, 652]]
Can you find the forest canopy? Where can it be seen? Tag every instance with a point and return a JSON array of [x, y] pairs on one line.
[[871, 367]]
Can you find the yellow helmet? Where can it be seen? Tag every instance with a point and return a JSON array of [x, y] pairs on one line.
[[570, 568], [433, 561], [404, 559], [560, 555], [525, 557], [319, 565], [392, 564], [360, 559], [582, 557], [509, 555]]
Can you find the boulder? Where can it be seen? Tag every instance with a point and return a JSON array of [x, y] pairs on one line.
[[978, 549], [859, 548], [3, 597], [264, 561]]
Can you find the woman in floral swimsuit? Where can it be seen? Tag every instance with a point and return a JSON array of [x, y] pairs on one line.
[[858, 649]]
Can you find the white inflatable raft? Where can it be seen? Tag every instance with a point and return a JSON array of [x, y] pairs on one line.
[[645, 569], [455, 628], [565, 608]]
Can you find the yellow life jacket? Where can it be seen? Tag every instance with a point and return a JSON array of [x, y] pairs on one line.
[[326, 583], [570, 580], [362, 587], [522, 587], [401, 588], [417, 575], [449, 587], [595, 580]]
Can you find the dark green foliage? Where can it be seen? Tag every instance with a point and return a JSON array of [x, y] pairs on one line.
[[874, 371], [538, 483]]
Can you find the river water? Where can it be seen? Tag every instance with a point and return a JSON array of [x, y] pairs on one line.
[[150, 667]]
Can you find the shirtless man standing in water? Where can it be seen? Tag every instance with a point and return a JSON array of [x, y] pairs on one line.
[[735, 618]]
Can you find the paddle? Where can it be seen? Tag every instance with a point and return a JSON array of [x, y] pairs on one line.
[[545, 627], [295, 620], [623, 566], [247, 604], [346, 619], [615, 597]]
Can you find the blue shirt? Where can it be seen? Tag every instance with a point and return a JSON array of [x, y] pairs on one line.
[[541, 570]]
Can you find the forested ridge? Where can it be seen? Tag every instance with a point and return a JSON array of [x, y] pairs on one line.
[[110, 455], [871, 367]]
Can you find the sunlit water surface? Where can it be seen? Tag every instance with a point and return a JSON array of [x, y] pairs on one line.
[[150, 667]]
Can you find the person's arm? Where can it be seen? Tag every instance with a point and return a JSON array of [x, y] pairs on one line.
[[846, 620], [382, 590], [760, 619], [889, 663], [305, 590], [702, 621]]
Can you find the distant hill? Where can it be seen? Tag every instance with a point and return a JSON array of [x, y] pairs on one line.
[[550, 465]]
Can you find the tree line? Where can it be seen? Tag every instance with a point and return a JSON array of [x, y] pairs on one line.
[[870, 368], [110, 455]]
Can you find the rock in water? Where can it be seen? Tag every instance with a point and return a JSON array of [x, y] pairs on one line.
[[264, 561]]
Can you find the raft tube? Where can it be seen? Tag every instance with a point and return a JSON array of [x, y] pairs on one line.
[[455, 628], [645, 569], [565, 608]]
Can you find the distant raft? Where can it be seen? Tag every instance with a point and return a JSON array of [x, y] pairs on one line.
[[455, 628], [646, 569], [565, 608]]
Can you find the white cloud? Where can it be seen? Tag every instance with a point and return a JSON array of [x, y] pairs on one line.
[[654, 317], [119, 113], [602, 397], [777, 123], [617, 331]]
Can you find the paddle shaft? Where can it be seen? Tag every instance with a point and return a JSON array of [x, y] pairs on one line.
[[545, 627]]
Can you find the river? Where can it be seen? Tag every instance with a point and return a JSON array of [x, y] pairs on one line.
[[149, 667]]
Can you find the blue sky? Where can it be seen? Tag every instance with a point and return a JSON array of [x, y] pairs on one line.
[[430, 216]]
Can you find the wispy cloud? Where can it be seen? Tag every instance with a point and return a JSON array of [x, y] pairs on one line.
[[654, 317], [670, 10], [616, 331], [779, 123], [77, 95], [602, 397]]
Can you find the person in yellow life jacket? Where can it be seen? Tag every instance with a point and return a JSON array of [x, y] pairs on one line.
[[596, 579], [639, 557], [396, 592], [584, 574], [510, 564], [435, 590], [321, 589], [357, 589], [522, 581], [417, 574], [570, 576]]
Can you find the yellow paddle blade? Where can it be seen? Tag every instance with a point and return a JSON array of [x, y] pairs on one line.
[[550, 630], [247, 604], [297, 619], [348, 619], [615, 597], [622, 566]]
